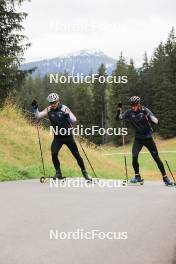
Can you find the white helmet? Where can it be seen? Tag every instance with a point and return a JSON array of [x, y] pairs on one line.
[[135, 100], [52, 97]]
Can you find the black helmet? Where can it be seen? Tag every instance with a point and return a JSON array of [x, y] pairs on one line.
[[135, 100]]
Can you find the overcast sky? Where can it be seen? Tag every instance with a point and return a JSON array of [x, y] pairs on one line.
[[58, 27]]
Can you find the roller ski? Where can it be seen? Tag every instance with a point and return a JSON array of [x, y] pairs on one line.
[[88, 178], [136, 180], [57, 176], [168, 182]]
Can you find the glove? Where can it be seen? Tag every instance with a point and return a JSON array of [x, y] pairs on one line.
[[66, 115], [119, 109], [66, 112], [145, 112], [34, 106], [119, 105]]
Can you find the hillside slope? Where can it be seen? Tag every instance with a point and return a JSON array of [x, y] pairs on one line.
[[20, 155]]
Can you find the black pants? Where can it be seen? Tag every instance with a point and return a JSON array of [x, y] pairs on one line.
[[69, 141], [150, 145]]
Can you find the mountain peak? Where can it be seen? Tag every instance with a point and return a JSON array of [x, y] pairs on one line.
[[87, 52], [83, 61]]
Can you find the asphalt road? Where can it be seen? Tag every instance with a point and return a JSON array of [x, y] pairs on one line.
[[29, 210]]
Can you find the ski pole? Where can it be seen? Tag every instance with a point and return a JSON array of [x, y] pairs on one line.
[[124, 155], [88, 159], [171, 173], [168, 166], [123, 143], [165, 160], [40, 145]]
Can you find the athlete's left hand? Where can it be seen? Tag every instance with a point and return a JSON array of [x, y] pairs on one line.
[[146, 113], [67, 111]]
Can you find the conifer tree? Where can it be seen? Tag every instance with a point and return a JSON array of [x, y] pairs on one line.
[[100, 102], [11, 47]]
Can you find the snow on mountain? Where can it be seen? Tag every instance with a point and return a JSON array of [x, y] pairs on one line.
[[83, 61]]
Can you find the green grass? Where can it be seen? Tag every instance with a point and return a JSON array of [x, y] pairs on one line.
[[20, 155], [148, 167]]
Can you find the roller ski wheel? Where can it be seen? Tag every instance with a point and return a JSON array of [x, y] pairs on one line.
[[141, 183], [45, 179], [58, 176], [42, 179], [172, 185], [92, 181], [86, 176]]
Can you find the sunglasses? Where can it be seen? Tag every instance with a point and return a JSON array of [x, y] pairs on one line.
[[53, 103], [132, 105]]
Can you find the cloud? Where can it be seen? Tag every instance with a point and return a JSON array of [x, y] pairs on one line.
[[57, 27]]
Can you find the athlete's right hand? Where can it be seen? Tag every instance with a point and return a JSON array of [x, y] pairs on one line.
[[34, 104], [119, 107]]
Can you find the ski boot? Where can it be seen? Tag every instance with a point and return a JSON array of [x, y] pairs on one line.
[[137, 179], [58, 176], [167, 181], [86, 176]]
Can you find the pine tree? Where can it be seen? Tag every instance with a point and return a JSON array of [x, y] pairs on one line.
[[163, 72], [133, 87], [11, 47], [119, 93], [100, 103], [145, 82], [83, 106]]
